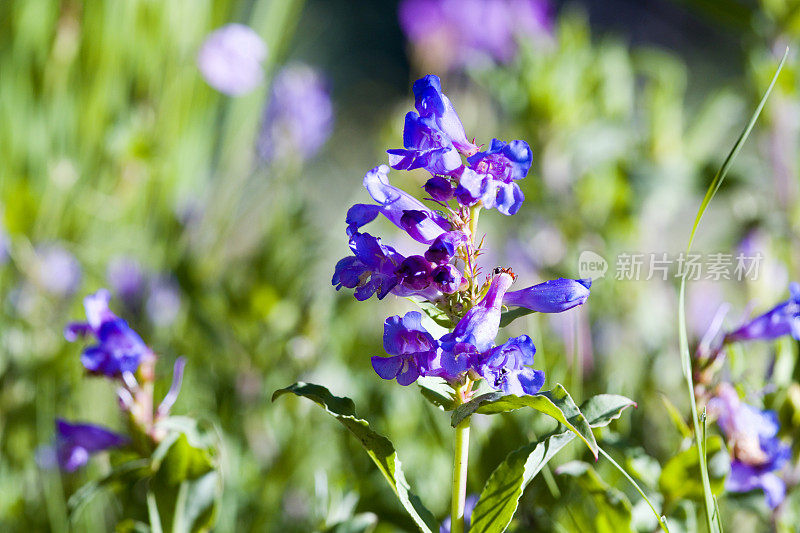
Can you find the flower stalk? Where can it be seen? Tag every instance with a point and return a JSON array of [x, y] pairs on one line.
[[460, 464]]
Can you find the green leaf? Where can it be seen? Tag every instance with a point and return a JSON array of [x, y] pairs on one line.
[[504, 488], [379, 448], [509, 316], [680, 478], [184, 462], [556, 403], [437, 392], [686, 358], [613, 507]]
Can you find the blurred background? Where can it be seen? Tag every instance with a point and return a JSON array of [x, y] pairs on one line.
[[215, 215]]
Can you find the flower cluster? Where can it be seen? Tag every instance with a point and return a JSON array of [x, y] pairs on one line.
[[756, 452], [122, 356], [445, 274]]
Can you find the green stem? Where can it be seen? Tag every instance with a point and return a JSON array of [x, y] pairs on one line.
[[460, 463]]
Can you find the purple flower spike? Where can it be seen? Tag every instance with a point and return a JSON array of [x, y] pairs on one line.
[[230, 59], [783, 319], [505, 367], [119, 348], [76, 442], [431, 102], [554, 296], [410, 344], [756, 452], [403, 210]]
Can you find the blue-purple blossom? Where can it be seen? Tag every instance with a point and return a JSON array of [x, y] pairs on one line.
[[783, 319], [554, 296], [411, 346], [757, 455], [432, 103], [119, 349], [75, 443], [59, 273], [403, 210], [492, 174], [460, 33], [425, 146], [299, 116], [370, 270], [230, 59], [506, 367]]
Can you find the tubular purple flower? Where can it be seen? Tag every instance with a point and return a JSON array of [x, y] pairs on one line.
[[447, 278], [430, 101], [403, 210], [411, 346], [505, 367], [119, 348], [444, 247], [230, 59], [480, 325], [554, 296], [783, 319], [425, 147], [75, 443], [371, 270], [440, 188]]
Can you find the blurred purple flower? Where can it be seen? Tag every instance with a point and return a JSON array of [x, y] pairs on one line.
[[783, 319], [127, 280], [163, 302], [230, 59], [458, 33], [756, 452], [119, 348], [76, 442], [299, 116], [58, 272], [4, 246]]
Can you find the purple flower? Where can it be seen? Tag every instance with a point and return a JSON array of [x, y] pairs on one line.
[[756, 452], [403, 210], [431, 102], [492, 174], [76, 442], [58, 270], [119, 348], [505, 367], [411, 346], [230, 59], [783, 319], [554, 296], [444, 247], [460, 33], [426, 146], [371, 270], [447, 278], [127, 280], [474, 334], [299, 117]]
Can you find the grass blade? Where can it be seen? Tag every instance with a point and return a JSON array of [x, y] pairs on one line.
[[684, 340]]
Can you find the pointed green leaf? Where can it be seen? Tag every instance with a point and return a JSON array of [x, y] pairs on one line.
[[501, 494], [436, 391], [556, 403], [379, 448]]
